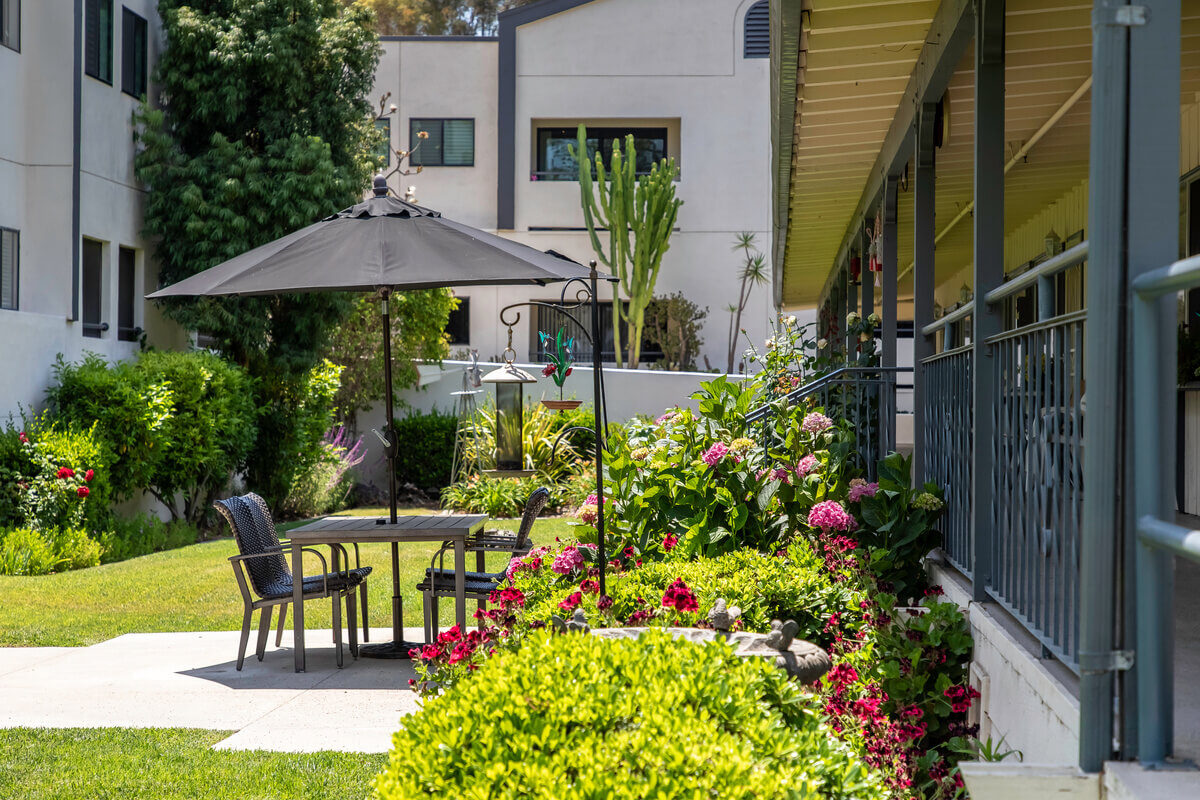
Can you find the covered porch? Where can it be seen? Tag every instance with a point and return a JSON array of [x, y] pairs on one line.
[[995, 177]]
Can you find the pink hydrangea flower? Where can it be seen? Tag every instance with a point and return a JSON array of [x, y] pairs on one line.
[[809, 463], [815, 422], [667, 417], [715, 454], [830, 516], [567, 561], [860, 489]]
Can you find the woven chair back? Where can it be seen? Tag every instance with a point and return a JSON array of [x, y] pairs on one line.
[[254, 531], [533, 506]]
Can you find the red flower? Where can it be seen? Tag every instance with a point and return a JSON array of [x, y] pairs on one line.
[[450, 637], [64, 473], [590, 586], [569, 371], [82, 491], [87, 476], [669, 542], [604, 603], [680, 597], [572, 602], [24, 439], [548, 370]]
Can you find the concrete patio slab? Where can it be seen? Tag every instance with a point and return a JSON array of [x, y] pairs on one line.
[[189, 680]]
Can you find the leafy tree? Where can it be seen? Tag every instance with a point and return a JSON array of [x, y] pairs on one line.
[[418, 331], [262, 127], [673, 326], [436, 17]]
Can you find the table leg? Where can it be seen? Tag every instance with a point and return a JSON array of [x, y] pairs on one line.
[[460, 582], [397, 620], [298, 605]]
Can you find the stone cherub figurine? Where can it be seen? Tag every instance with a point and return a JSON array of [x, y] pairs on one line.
[[781, 635], [577, 623], [723, 618]]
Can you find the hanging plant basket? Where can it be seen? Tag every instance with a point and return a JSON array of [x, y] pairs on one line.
[[562, 405]]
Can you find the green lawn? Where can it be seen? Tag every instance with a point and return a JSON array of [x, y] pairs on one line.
[[169, 764], [193, 589]]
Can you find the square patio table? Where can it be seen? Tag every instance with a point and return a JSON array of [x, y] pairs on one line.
[[419, 528]]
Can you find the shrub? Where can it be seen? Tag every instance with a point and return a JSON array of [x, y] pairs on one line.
[[323, 487], [580, 716], [426, 457], [141, 535], [25, 551], [54, 477], [539, 429], [495, 496]]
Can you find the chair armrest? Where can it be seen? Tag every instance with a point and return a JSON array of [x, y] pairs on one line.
[[317, 553]]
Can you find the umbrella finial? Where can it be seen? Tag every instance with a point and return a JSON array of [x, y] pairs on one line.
[[380, 186]]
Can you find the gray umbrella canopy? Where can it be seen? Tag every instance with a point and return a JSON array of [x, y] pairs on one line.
[[382, 242]]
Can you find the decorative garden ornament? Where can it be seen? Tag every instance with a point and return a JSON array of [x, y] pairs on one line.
[[558, 352]]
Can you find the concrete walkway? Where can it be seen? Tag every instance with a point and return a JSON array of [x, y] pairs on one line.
[[188, 680]]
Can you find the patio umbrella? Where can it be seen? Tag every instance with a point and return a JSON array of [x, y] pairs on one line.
[[385, 244]]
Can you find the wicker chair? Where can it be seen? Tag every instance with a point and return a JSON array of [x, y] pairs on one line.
[[262, 570], [439, 581]]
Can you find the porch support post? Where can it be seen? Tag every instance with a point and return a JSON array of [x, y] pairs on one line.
[[1104, 370], [923, 274], [845, 305], [989, 272], [1153, 242], [864, 274], [890, 265]]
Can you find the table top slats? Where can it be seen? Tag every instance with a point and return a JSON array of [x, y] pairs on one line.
[[415, 528]]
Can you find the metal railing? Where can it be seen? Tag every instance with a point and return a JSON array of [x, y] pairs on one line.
[[1158, 540], [1035, 491], [863, 396], [948, 442]]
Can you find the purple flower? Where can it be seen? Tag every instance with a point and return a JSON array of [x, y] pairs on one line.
[[860, 489]]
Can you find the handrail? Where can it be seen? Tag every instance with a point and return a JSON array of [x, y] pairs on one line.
[[949, 319], [1183, 274], [801, 392], [1047, 269]]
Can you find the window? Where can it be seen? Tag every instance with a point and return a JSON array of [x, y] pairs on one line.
[[135, 54], [93, 281], [383, 150], [98, 40], [554, 162], [458, 326], [127, 330], [450, 142], [757, 35], [10, 272], [10, 23], [550, 320]]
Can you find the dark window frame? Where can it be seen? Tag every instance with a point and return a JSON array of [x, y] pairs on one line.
[[605, 136], [756, 31], [417, 159], [458, 324], [92, 307], [10, 35], [16, 272], [98, 42], [135, 41]]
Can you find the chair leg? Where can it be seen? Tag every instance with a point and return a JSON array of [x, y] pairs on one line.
[[366, 631], [352, 622], [337, 626], [282, 618], [245, 635], [425, 615], [264, 628]]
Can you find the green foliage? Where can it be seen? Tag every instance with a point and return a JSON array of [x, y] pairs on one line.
[[898, 527], [540, 427], [58, 476], [141, 535], [294, 414], [579, 716], [639, 214], [494, 496], [25, 551], [426, 456], [765, 587], [418, 332], [673, 326], [323, 486], [436, 17], [793, 355], [175, 424]]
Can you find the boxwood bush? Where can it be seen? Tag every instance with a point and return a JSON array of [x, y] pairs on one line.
[[426, 449], [582, 717]]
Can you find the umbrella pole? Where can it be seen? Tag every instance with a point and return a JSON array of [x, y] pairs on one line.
[[387, 403]]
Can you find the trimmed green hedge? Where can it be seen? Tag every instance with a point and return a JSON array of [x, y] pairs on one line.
[[586, 718], [426, 449]]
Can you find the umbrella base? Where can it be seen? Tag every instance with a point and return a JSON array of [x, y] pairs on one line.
[[397, 649]]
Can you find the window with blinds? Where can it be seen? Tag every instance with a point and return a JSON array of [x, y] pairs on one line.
[[10, 273], [135, 54], [447, 142], [10, 24], [757, 35], [98, 40]]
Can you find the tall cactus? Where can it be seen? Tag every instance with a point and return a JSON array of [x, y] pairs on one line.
[[639, 214]]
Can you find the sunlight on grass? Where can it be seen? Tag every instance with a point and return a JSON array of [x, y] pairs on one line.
[[193, 589]]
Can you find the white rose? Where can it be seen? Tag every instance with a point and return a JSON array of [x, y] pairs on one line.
[[790, 320], [821, 344]]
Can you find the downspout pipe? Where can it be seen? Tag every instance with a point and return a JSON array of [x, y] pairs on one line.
[[76, 148]]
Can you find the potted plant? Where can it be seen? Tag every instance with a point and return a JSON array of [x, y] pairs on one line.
[[558, 367]]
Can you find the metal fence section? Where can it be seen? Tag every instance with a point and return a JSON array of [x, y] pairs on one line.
[[1037, 485], [863, 396], [948, 441]]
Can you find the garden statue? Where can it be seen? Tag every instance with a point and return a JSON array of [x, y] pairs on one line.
[[722, 618]]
